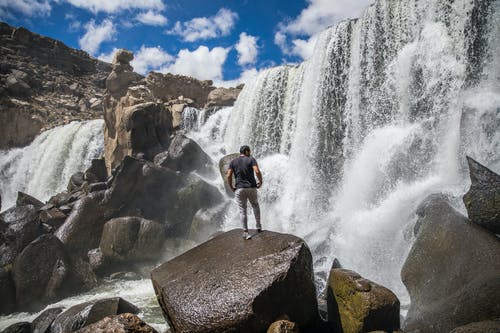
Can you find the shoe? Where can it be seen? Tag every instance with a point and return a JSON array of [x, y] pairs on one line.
[[259, 230], [246, 235]]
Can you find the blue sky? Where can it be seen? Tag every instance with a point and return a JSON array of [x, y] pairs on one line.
[[225, 41]]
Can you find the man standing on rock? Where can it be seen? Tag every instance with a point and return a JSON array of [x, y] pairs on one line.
[[243, 168]]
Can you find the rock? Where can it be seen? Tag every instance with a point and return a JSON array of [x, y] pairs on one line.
[[283, 326], [123, 323], [22, 327], [232, 284], [7, 290], [122, 75], [360, 304], [223, 166], [123, 56], [126, 239], [207, 221], [96, 259], [222, 97], [98, 168], [487, 326], [39, 271], [184, 155], [75, 182], [24, 199], [81, 276], [84, 314], [450, 284], [41, 324], [483, 198], [54, 217], [98, 187]]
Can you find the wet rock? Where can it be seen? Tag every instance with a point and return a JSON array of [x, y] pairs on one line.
[[24, 199], [483, 198], [42, 323], [22, 327], [84, 314], [81, 276], [223, 166], [184, 155], [96, 259], [123, 323], [487, 326], [39, 271], [283, 326], [54, 217], [360, 304], [98, 168], [7, 290], [126, 239], [450, 284], [98, 187], [232, 284], [75, 182]]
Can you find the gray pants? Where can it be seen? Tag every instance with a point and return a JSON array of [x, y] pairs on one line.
[[242, 194]]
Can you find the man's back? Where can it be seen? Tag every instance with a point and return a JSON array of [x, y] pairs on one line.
[[243, 171]]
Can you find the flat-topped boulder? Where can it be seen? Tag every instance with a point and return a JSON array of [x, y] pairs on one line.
[[231, 284]]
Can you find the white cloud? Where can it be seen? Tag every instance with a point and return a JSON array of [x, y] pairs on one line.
[[96, 34], [304, 48], [113, 6], [107, 57], [30, 8], [247, 49], [245, 76], [150, 58], [318, 15], [202, 63], [151, 18], [206, 27]]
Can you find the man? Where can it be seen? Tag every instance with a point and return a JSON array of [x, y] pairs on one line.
[[243, 168]]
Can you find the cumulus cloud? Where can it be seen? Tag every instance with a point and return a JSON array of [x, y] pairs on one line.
[[245, 77], [96, 34], [200, 28], [247, 49], [150, 58], [202, 63], [107, 57], [318, 15], [151, 18], [113, 6], [30, 8]]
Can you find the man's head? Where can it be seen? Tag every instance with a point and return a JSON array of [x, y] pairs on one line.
[[245, 150]]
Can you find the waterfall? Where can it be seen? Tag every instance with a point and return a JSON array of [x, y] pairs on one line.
[[382, 115], [44, 168], [192, 118]]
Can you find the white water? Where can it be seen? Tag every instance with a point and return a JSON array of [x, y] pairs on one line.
[[44, 168]]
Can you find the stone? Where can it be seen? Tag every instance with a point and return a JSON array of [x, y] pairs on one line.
[[126, 239], [451, 271], [54, 217], [360, 304], [24, 199], [75, 182], [123, 323], [39, 271], [487, 326], [98, 168], [87, 313], [222, 97], [223, 166], [7, 290], [283, 326], [22, 327], [232, 284], [41, 324], [81, 275], [96, 259], [483, 198], [184, 155], [123, 56]]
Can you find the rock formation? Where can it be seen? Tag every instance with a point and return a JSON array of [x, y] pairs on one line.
[[43, 84], [451, 271], [231, 284], [122, 323]]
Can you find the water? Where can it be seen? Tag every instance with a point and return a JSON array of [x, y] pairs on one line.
[[44, 168]]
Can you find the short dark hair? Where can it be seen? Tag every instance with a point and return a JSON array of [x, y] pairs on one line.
[[244, 149]]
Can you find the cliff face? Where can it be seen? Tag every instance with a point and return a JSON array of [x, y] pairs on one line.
[[43, 84]]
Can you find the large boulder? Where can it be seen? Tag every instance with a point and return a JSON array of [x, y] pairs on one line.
[[123, 323], [451, 272], [184, 155], [7, 290], [122, 75], [487, 326], [126, 239], [87, 313], [483, 198], [39, 271], [21, 327], [24, 199], [223, 97], [232, 284], [41, 324], [360, 304]]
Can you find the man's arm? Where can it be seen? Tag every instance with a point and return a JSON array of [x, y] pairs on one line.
[[258, 174], [229, 175]]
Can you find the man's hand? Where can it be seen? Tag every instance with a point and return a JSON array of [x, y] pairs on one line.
[[233, 189], [259, 184]]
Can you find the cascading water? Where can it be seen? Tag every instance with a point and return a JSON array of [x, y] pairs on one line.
[[44, 168], [381, 116]]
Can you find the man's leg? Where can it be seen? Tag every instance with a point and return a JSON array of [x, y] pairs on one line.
[[252, 197], [241, 201]]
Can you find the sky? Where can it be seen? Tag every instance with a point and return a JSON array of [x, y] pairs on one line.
[[221, 40]]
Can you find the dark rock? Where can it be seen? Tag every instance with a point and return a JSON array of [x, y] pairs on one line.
[[184, 155], [451, 271], [98, 168], [53, 217], [75, 182], [483, 198], [61, 199], [7, 290], [42, 323], [132, 238], [223, 167], [81, 277], [98, 187], [123, 323], [39, 271], [84, 314], [487, 326], [360, 304], [283, 326], [232, 284], [24, 199], [22, 327]]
